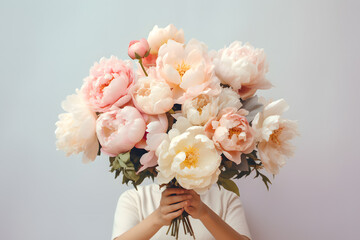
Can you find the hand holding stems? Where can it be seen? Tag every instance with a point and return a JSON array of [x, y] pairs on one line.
[[172, 203]]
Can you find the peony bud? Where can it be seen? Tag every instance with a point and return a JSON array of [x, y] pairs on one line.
[[138, 49]]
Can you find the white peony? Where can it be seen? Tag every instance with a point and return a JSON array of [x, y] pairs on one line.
[[273, 135], [75, 130], [159, 36], [204, 107], [229, 98], [200, 109], [189, 156], [152, 95], [243, 67]]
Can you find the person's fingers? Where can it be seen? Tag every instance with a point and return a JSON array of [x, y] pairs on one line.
[[192, 192], [177, 198], [173, 215], [170, 191], [171, 208]]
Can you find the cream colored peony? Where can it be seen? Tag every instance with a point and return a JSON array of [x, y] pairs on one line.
[[159, 36], [273, 134], [229, 98], [187, 69], [75, 130], [189, 156], [200, 109], [152, 95]]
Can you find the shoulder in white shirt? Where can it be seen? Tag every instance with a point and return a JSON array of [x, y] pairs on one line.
[[135, 205]]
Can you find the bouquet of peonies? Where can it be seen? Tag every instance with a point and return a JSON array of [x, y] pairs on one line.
[[186, 116]]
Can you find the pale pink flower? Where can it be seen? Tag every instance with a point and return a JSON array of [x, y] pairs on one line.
[[187, 69], [152, 95], [231, 133], [108, 84], [243, 67], [119, 130], [159, 36], [139, 47], [75, 130], [274, 134], [156, 129]]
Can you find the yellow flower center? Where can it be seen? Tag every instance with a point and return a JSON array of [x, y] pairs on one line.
[[201, 102], [192, 157], [274, 137], [182, 68], [235, 131]]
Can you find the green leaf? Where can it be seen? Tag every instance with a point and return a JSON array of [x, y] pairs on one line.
[[117, 173], [266, 180], [242, 174], [228, 173], [244, 165], [147, 53], [124, 157], [137, 56], [229, 185]]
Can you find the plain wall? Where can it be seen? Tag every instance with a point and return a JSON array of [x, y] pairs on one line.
[[47, 48]]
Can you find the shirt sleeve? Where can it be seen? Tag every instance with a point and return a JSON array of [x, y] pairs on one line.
[[235, 216], [126, 214]]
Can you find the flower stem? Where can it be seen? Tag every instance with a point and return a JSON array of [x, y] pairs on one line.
[[142, 66]]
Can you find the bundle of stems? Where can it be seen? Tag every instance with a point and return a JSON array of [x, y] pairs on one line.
[[174, 226]]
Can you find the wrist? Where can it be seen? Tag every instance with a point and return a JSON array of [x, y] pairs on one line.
[[205, 213], [156, 219]]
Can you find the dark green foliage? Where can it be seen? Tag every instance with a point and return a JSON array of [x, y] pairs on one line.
[[128, 164], [230, 170]]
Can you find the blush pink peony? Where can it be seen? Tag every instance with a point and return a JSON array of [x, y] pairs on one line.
[[243, 67], [231, 133], [274, 134], [187, 69], [119, 130], [108, 84]]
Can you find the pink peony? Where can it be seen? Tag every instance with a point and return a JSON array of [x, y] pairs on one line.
[[119, 130], [243, 67], [156, 128], [139, 47], [231, 133], [108, 84]]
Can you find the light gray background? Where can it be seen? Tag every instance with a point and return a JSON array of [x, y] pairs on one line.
[[47, 48]]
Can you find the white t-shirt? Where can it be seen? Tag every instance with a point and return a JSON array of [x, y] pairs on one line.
[[135, 205]]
